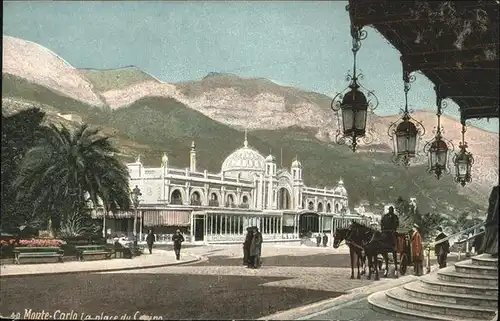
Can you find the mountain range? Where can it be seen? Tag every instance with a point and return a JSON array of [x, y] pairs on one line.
[[149, 117]]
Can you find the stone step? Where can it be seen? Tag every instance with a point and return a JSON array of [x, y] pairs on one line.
[[432, 282], [418, 290], [449, 275], [485, 260], [398, 296], [380, 302], [468, 267]]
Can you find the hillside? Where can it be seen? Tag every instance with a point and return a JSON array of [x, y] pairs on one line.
[[37, 64], [150, 117], [104, 80]]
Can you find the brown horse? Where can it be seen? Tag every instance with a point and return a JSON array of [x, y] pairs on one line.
[[355, 251]]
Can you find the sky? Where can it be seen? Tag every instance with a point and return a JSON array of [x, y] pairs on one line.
[[305, 44]]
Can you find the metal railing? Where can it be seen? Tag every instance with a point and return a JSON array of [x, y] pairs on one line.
[[433, 244]]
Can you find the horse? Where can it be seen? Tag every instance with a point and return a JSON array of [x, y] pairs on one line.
[[374, 244], [343, 234]]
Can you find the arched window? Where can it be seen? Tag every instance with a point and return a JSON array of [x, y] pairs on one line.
[[176, 197], [283, 199], [244, 202], [320, 207], [336, 207], [328, 207], [214, 200], [195, 199], [230, 200], [310, 206]]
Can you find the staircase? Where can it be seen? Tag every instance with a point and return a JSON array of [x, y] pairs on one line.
[[464, 292]]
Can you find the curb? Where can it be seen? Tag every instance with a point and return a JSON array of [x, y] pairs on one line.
[[196, 258], [311, 311]]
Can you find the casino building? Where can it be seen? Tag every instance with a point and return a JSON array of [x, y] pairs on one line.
[[250, 190]]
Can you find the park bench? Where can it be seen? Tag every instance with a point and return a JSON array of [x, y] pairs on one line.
[[37, 253], [92, 250]]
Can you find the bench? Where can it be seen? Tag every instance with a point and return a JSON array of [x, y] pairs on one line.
[[91, 250], [37, 253]]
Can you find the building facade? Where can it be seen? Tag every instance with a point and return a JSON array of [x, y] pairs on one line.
[[250, 190]]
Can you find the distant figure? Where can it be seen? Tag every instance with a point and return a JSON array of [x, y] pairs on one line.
[[246, 247], [478, 241], [150, 240], [318, 239], [490, 243], [325, 239], [441, 249], [256, 249], [177, 239], [417, 251]]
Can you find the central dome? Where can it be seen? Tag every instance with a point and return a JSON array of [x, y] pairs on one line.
[[244, 162]]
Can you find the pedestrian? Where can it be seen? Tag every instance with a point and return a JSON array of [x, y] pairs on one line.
[[177, 239], [441, 249], [325, 240], [318, 239], [150, 240], [246, 247], [256, 248], [417, 251]]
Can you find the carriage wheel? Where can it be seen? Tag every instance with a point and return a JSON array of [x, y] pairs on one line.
[[403, 265]]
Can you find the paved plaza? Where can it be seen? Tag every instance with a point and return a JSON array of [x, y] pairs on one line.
[[294, 282]]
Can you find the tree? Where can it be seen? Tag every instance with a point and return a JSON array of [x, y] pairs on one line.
[[66, 165], [19, 133]]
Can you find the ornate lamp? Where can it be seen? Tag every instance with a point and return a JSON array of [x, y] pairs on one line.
[[463, 161], [438, 148], [406, 131], [353, 103], [136, 192]]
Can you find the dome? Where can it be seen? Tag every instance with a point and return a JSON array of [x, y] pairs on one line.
[[340, 189], [245, 159], [270, 158], [296, 164]]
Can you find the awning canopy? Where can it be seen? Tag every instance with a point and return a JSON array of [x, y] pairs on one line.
[[166, 218], [453, 43]]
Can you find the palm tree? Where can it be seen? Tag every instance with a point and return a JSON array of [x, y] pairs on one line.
[[66, 165]]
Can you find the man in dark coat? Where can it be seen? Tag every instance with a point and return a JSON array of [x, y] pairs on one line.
[[177, 239], [246, 248], [325, 240], [441, 249], [490, 242], [478, 241], [150, 240], [389, 224], [318, 240], [256, 248]]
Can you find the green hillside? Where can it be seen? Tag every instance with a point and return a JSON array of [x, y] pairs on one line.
[[104, 80], [154, 125]]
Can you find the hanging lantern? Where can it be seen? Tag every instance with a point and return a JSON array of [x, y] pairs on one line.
[[438, 148], [353, 105], [463, 161], [406, 131]]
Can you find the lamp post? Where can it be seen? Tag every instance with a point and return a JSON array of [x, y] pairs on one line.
[[354, 104], [136, 192], [406, 131], [463, 161]]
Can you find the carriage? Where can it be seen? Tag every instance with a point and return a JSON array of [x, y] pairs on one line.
[[404, 250]]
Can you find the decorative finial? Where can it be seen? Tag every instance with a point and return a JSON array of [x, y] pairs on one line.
[[341, 181], [138, 160], [193, 146], [245, 143], [164, 159]]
